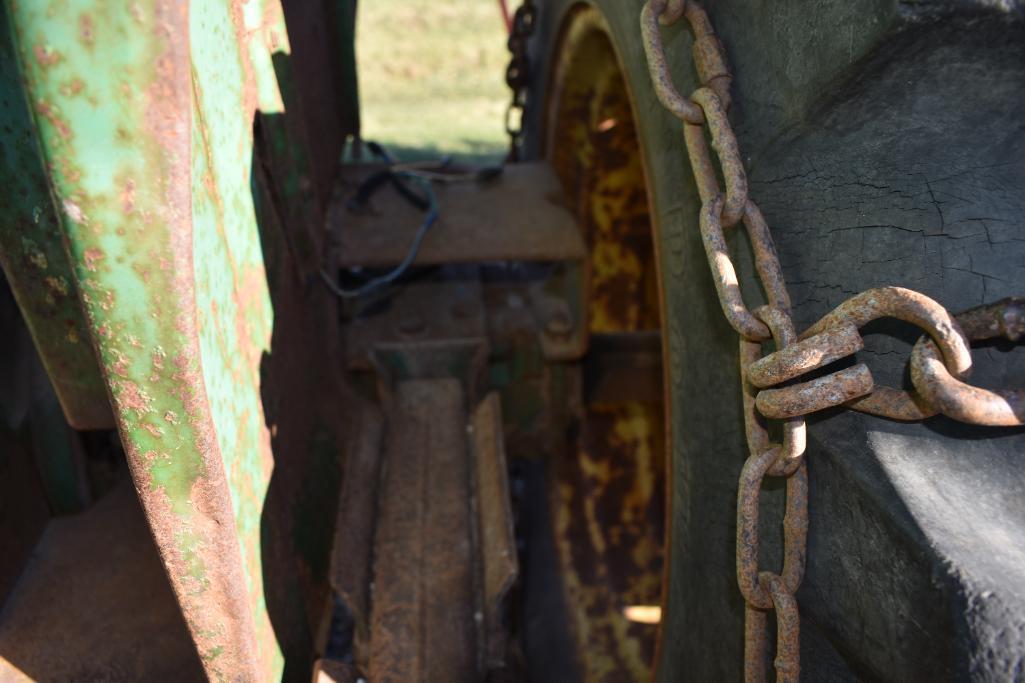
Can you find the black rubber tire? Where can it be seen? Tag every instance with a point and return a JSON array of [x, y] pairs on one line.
[[885, 145]]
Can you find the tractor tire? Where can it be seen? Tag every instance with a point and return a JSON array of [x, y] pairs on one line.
[[885, 144]]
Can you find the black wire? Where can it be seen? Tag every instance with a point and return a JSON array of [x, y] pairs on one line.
[[427, 201], [414, 248]]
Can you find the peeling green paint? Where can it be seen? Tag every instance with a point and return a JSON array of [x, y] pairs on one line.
[[213, 654], [232, 296], [140, 120], [34, 260], [109, 88]]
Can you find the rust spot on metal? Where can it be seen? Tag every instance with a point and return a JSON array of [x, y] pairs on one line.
[[608, 508], [46, 56], [152, 429], [1005, 318], [597, 162], [128, 196], [91, 256], [700, 162], [57, 284], [49, 113], [422, 619], [72, 87], [608, 514], [86, 31], [250, 96], [496, 538], [770, 273], [34, 254], [836, 336], [131, 397]]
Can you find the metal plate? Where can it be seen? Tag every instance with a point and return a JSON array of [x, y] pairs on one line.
[[422, 620], [518, 217]]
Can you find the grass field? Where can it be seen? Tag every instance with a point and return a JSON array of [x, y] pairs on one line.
[[431, 77]]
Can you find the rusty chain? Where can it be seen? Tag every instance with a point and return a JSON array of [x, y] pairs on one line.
[[517, 75], [940, 361]]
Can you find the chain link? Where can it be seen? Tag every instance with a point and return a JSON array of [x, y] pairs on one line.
[[517, 75], [940, 361], [942, 390]]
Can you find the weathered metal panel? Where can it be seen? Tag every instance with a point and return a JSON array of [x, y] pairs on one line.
[[34, 259], [422, 623], [316, 72], [144, 118], [233, 78], [517, 216], [607, 501], [351, 571]]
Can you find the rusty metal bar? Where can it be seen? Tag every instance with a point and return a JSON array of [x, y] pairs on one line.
[[496, 541], [805, 356], [354, 526], [817, 394], [422, 618]]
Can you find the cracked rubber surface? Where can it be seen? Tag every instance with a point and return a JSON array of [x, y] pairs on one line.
[[886, 146]]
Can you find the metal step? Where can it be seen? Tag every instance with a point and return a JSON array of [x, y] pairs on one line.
[[423, 605], [443, 549]]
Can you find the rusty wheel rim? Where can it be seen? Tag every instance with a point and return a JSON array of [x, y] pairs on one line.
[[610, 507]]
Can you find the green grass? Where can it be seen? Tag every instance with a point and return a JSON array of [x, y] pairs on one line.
[[431, 76]]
